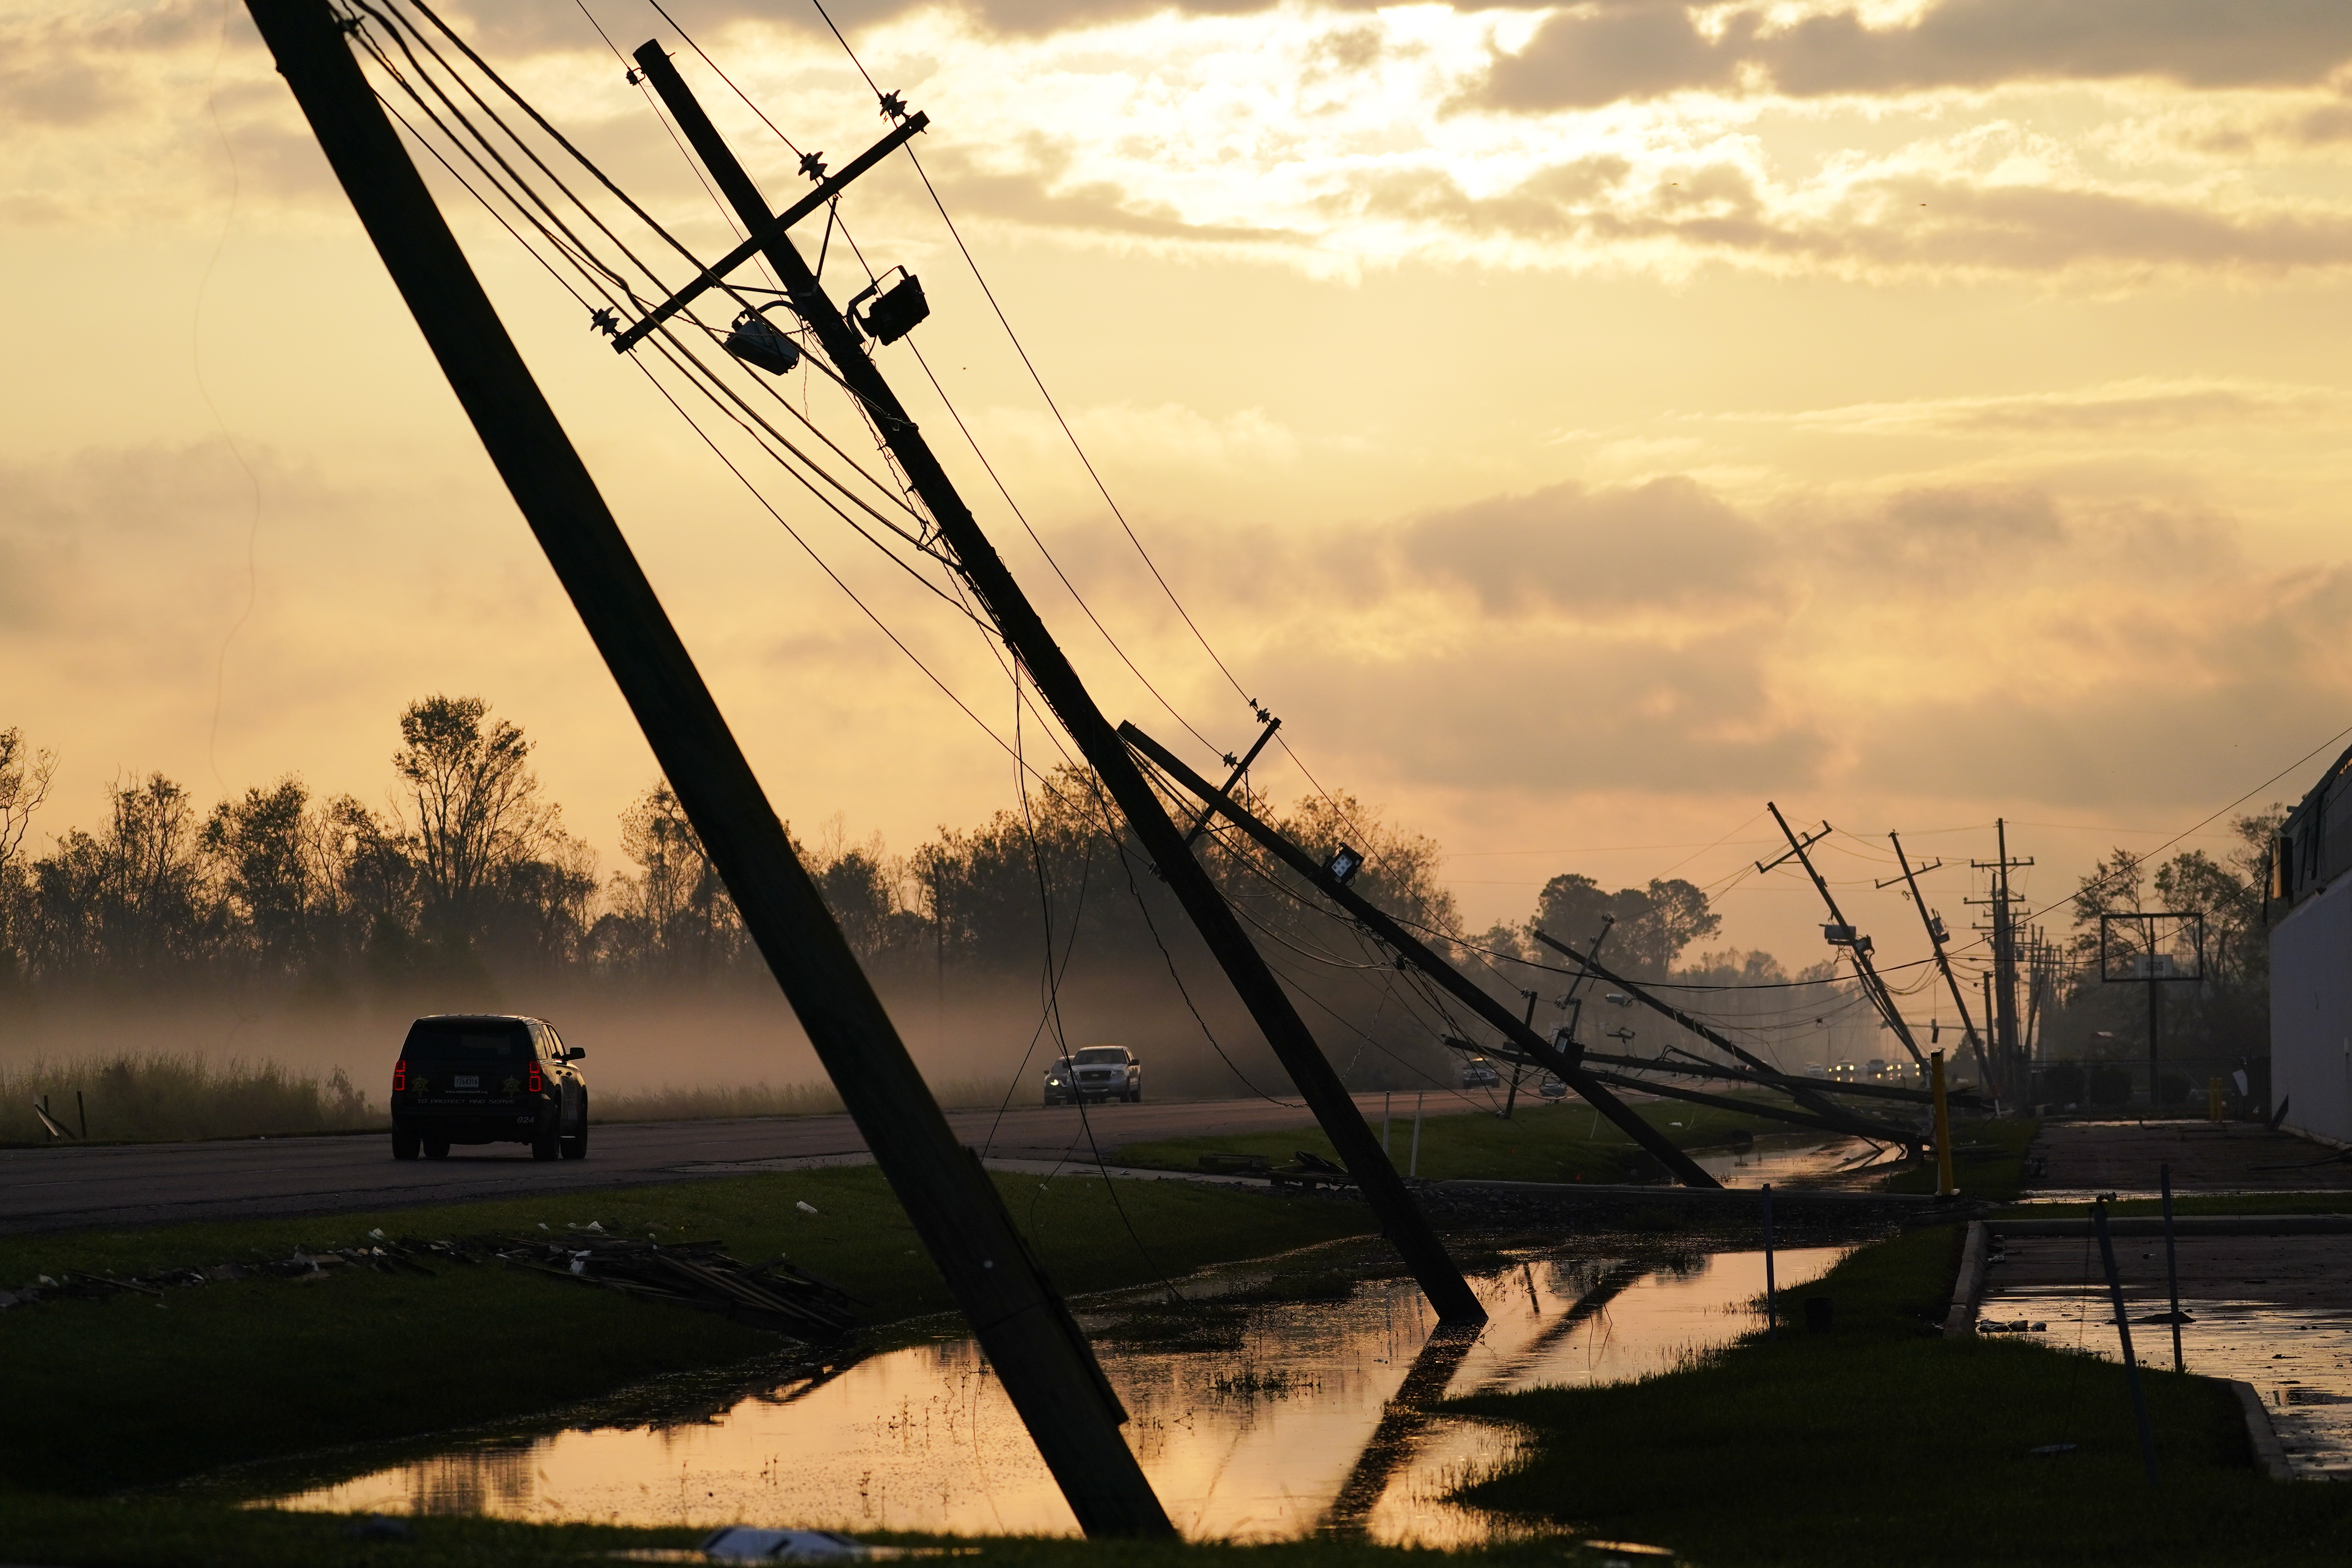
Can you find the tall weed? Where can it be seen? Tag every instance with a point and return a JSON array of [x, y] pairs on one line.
[[167, 1095]]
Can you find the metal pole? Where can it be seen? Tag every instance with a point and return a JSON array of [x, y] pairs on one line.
[[2171, 1267], [1416, 951], [1029, 1336], [2123, 1327], [1771, 1289], [1512, 1099], [2153, 1016], [1058, 683], [1943, 1126]]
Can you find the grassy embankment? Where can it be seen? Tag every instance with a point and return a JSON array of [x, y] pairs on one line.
[[125, 1390], [1883, 1442], [1558, 1142], [162, 1097]]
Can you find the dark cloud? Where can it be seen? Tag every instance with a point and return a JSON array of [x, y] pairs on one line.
[[1610, 50], [1885, 224], [1667, 544]]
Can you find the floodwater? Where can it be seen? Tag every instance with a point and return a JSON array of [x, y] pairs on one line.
[[2299, 1359], [1281, 1418], [1800, 1159]]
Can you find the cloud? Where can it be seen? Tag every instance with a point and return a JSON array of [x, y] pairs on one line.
[[1664, 544], [1948, 640], [2143, 404], [1607, 51]]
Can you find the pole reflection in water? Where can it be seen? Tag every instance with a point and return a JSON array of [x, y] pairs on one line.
[[1280, 1419]]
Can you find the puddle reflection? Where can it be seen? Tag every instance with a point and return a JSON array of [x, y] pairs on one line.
[[1318, 1418], [2299, 1360]]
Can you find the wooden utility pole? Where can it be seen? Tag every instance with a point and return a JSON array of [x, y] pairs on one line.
[[1030, 1339], [1937, 937], [1856, 944], [1057, 682], [1413, 951], [2006, 1046]]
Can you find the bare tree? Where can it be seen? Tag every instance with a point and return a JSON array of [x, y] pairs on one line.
[[24, 786]]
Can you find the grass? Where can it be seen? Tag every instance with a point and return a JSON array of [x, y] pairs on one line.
[[1559, 1142], [1987, 1161], [131, 1393], [168, 1096], [163, 1533], [1885, 1442]]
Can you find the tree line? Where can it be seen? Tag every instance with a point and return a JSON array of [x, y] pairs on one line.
[[468, 868]]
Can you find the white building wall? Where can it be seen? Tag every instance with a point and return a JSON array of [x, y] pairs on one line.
[[2311, 1014]]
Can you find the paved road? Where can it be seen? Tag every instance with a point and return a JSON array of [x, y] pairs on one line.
[[163, 1184]]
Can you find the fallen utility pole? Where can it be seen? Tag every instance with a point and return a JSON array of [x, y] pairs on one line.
[[1853, 942], [1803, 1093], [1693, 1068], [1057, 682], [1833, 1118], [1415, 952], [1937, 937], [1852, 1126], [1047, 1367]]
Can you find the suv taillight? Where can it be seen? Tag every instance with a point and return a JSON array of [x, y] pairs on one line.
[[536, 1082], [400, 1076]]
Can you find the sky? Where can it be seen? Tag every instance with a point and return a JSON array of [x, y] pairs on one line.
[[1581, 424]]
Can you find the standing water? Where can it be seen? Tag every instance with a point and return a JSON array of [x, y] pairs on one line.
[[1257, 1416]]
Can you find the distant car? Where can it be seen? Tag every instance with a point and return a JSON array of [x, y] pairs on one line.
[[477, 1078], [1552, 1087], [1097, 1073], [1479, 1073]]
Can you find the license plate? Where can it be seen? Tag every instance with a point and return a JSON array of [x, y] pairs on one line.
[[473, 1082]]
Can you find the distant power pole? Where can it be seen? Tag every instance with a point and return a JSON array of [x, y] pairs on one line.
[[1937, 937], [2008, 1050], [1840, 932]]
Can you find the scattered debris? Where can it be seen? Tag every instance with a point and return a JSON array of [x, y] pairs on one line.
[[806, 1208], [742, 1543], [380, 1527], [689, 1273], [773, 1294]]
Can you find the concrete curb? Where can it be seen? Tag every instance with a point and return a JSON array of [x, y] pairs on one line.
[[2186, 1226], [1968, 1291], [2270, 1455]]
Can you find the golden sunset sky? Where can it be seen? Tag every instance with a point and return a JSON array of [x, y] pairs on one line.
[[1580, 423]]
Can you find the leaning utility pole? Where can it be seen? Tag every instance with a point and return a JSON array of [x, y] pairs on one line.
[[1853, 942], [1058, 683], [1047, 1367], [1938, 935], [1410, 948]]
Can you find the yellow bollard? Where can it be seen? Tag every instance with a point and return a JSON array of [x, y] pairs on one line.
[[1943, 1127]]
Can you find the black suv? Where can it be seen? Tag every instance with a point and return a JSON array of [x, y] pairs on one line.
[[468, 1078]]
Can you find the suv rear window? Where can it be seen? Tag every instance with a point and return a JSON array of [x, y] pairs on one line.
[[464, 1048]]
